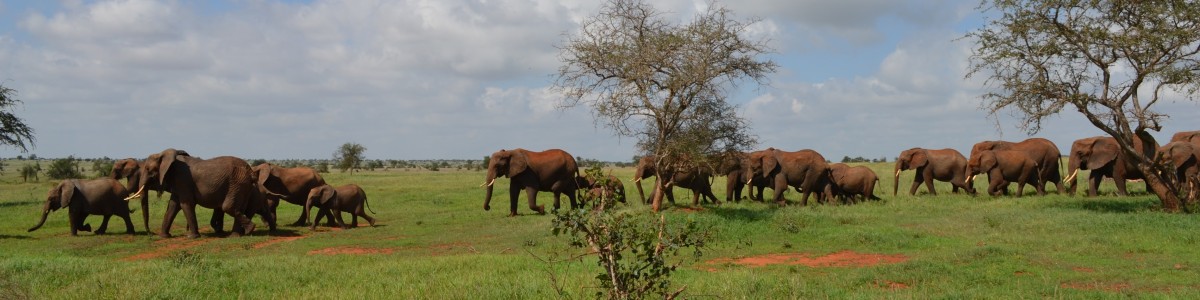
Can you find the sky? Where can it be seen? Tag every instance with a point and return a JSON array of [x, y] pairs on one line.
[[460, 79]]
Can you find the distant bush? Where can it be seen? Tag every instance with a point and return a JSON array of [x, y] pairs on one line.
[[64, 168]]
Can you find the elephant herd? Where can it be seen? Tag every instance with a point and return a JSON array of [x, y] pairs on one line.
[[1034, 162], [226, 184]]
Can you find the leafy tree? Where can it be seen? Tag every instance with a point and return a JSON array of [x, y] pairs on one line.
[[322, 167], [13, 131], [29, 171], [349, 156], [64, 168], [1111, 61], [102, 166], [663, 83]]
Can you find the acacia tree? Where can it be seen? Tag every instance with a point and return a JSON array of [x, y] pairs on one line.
[[349, 156], [663, 83], [13, 131], [1111, 61]]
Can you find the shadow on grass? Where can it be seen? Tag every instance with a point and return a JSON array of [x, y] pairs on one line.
[[1108, 205], [14, 237], [743, 214], [20, 203]]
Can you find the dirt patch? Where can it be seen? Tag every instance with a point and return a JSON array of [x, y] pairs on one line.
[[277, 241], [691, 209], [167, 246], [1095, 286], [351, 251], [838, 259], [891, 285], [1084, 270]]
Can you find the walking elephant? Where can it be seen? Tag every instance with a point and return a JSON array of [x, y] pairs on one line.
[[98, 197], [348, 197], [294, 183], [1004, 167], [946, 165], [697, 179], [130, 170], [736, 168], [1102, 155], [1044, 152], [612, 188], [850, 182], [1184, 158], [552, 171], [804, 169], [224, 184]]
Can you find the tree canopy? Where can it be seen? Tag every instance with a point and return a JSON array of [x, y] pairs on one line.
[[663, 83], [13, 131], [1111, 61], [349, 156]]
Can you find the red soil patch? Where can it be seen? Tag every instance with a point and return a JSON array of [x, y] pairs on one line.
[[277, 241], [167, 246], [1093, 286], [351, 251], [691, 209], [839, 259]]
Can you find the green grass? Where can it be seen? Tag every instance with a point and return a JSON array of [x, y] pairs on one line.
[[434, 240]]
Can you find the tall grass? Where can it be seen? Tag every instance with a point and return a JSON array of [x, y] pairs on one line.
[[434, 240]]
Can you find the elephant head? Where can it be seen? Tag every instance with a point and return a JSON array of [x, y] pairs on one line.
[[58, 197], [321, 197], [645, 169], [507, 164], [1187, 136], [1089, 154], [910, 159], [154, 170], [763, 163], [1179, 155]]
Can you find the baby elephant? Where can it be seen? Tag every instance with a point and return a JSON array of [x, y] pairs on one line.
[[850, 182], [1004, 167], [101, 197], [348, 197]]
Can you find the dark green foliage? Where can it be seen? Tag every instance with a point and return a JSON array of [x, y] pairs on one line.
[[64, 168], [349, 157], [102, 166], [31, 171], [13, 131], [258, 162]]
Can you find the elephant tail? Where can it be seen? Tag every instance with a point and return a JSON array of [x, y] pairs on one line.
[[368, 205]]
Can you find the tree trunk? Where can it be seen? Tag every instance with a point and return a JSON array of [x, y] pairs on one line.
[[1165, 190], [658, 193]]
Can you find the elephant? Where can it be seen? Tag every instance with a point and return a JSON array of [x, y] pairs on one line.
[[1102, 155], [348, 197], [1042, 151], [946, 165], [552, 171], [697, 179], [224, 184], [1004, 167], [613, 188], [99, 197], [805, 169], [1187, 136], [849, 182], [130, 170], [736, 168], [1184, 158], [294, 183]]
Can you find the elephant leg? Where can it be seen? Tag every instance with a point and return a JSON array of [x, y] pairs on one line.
[[514, 193], [329, 221], [317, 219], [1094, 184], [912, 190], [337, 215], [928, 178], [230, 207], [695, 198], [75, 221], [269, 218], [531, 193], [1119, 181], [780, 187], [669, 193], [189, 213], [572, 196], [218, 222], [363, 212], [103, 225], [128, 222], [173, 208]]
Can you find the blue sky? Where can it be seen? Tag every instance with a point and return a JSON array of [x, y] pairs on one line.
[[425, 79]]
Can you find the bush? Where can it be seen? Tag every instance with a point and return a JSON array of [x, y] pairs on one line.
[[64, 168]]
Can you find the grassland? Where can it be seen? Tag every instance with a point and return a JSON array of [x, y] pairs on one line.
[[435, 241]]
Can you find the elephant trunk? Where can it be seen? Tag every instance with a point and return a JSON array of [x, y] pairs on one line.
[[45, 212], [1073, 165], [641, 194], [896, 180], [308, 209], [490, 181], [146, 212]]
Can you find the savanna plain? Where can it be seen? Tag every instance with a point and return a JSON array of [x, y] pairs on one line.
[[433, 240]]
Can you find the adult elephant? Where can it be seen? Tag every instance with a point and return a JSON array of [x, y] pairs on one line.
[[552, 171], [1184, 159], [736, 168], [99, 197], [946, 165], [130, 170], [1102, 155], [292, 183], [696, 179], [1042, 151], [1004, 167], [805, 169], [224, 184], [1192, 137]]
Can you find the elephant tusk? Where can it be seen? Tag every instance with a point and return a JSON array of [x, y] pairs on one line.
[[489, 183], [749, 180], [897, 173], [138, 194], [971, 178], [1072, 176], [637, 180]]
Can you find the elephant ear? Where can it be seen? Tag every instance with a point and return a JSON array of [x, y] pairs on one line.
[[919, 159], [517, 163], [67, 189], [328, 195], [165, 163], [769, 162], [987, 160], [264, 171], [1103, 153]]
